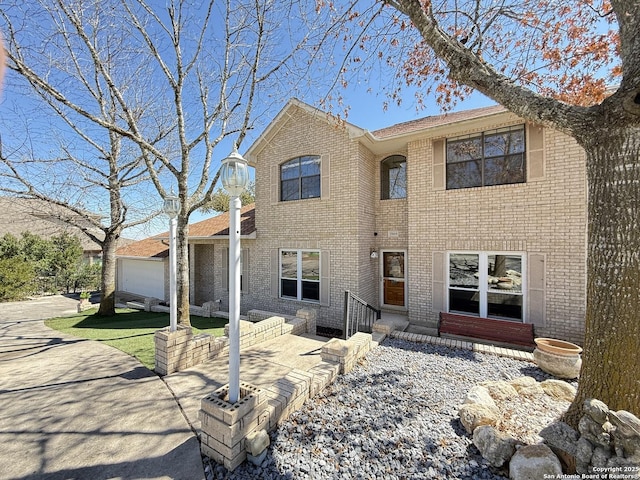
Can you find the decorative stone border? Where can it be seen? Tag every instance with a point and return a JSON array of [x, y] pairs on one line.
[[474, 347]]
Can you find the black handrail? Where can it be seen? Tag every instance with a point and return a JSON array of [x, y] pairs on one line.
[[359, 316]]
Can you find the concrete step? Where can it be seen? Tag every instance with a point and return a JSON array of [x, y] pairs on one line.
[[391, 322]]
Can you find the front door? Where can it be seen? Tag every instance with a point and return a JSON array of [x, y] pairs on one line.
[[393, 279]]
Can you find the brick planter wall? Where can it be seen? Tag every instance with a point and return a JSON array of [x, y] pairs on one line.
[[226, 426], [175, 351]]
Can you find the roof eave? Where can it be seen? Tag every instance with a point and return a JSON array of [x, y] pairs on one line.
[[395, 143]]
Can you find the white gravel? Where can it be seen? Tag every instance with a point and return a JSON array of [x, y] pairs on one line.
[[393, 417]]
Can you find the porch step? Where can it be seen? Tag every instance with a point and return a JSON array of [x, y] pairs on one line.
[[391, 322], [377, 338]]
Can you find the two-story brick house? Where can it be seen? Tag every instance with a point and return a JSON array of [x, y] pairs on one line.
[[475, 212]]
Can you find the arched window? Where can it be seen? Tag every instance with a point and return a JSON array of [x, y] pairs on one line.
[[300, 178], [393, 176]]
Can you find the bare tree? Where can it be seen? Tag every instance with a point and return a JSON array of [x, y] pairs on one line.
[[94, 166], [209, 72], [549, 63]]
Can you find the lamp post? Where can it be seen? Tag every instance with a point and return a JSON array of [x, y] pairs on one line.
[[235, 177], [171, 208]]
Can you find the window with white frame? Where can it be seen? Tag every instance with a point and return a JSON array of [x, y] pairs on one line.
[[486, 284], [494, 157], [300, 275], [300, 178]]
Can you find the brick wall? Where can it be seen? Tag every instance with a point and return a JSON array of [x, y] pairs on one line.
[[545, 216], [332, 223]]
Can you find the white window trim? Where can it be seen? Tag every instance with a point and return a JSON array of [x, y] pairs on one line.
[[483, 284], [299, 278]]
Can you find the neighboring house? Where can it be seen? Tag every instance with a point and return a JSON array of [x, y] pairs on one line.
[[18, 215], [476, 212]]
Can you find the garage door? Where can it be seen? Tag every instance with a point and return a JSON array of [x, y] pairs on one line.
[[142, 277]]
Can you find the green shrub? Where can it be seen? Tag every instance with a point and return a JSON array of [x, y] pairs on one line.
[[17, 278]]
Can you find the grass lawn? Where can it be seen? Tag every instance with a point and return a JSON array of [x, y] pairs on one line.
[[130, 330]]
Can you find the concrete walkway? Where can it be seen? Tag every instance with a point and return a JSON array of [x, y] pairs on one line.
[[261, 365], [78, 409]]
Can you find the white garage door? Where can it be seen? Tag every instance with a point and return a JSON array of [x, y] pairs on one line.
[[142, 277]]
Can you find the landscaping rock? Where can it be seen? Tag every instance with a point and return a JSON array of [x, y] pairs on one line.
[[531, 391], [597, 433], [561, 436], [533, 462], [584, 452], [473, 415], [559, 389], [521, 382], [494, 447], [479, 394], [626, 434], [500, 390], [597, 410]]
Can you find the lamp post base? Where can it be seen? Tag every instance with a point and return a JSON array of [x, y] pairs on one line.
[[226, 425]]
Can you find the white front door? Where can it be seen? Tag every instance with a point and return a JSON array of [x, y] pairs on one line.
[[393, 268]]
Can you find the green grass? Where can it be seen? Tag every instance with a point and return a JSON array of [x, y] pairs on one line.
[[130, 331]]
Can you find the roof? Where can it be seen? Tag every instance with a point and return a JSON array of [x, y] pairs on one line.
[[211, 228], [19, 215], [152, 247], [436, 121], [219, 226], [381, 142]]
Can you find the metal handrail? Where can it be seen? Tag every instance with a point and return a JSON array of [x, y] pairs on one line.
[[359, 316]]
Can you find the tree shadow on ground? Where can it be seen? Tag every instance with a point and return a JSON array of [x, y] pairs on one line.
[[139, 320]]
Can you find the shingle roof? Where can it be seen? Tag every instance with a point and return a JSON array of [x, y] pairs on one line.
[[158, 246], [19, 215], [152, 247], [435, 121], [219, 226]]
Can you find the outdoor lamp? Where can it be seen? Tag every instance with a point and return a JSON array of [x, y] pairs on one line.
[[235, 177], [171, 208], [234, 173]]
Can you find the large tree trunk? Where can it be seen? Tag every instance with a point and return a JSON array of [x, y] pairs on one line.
[[612, 345], [182, 245], [108, 279]]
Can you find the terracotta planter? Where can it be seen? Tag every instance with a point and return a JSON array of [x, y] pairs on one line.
[[558, 347]]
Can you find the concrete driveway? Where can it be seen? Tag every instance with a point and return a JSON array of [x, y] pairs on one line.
[[79, 409]]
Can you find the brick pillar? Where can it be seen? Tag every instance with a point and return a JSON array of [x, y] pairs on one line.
[[309, 316], [225, 426], [172, 349]]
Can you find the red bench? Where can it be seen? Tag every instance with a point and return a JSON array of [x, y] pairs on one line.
[[488, 329]]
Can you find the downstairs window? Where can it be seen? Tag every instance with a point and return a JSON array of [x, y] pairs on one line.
[[486, 284]]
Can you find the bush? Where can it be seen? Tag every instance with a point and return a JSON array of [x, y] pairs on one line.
[[17, 278]]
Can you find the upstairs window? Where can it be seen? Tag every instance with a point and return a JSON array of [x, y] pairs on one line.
[[393, 176], [300, 178], [491, 158]]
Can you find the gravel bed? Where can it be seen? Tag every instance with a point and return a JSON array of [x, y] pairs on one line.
[[395, 416]]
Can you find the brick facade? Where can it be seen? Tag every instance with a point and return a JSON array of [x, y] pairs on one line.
[[544, 218]]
